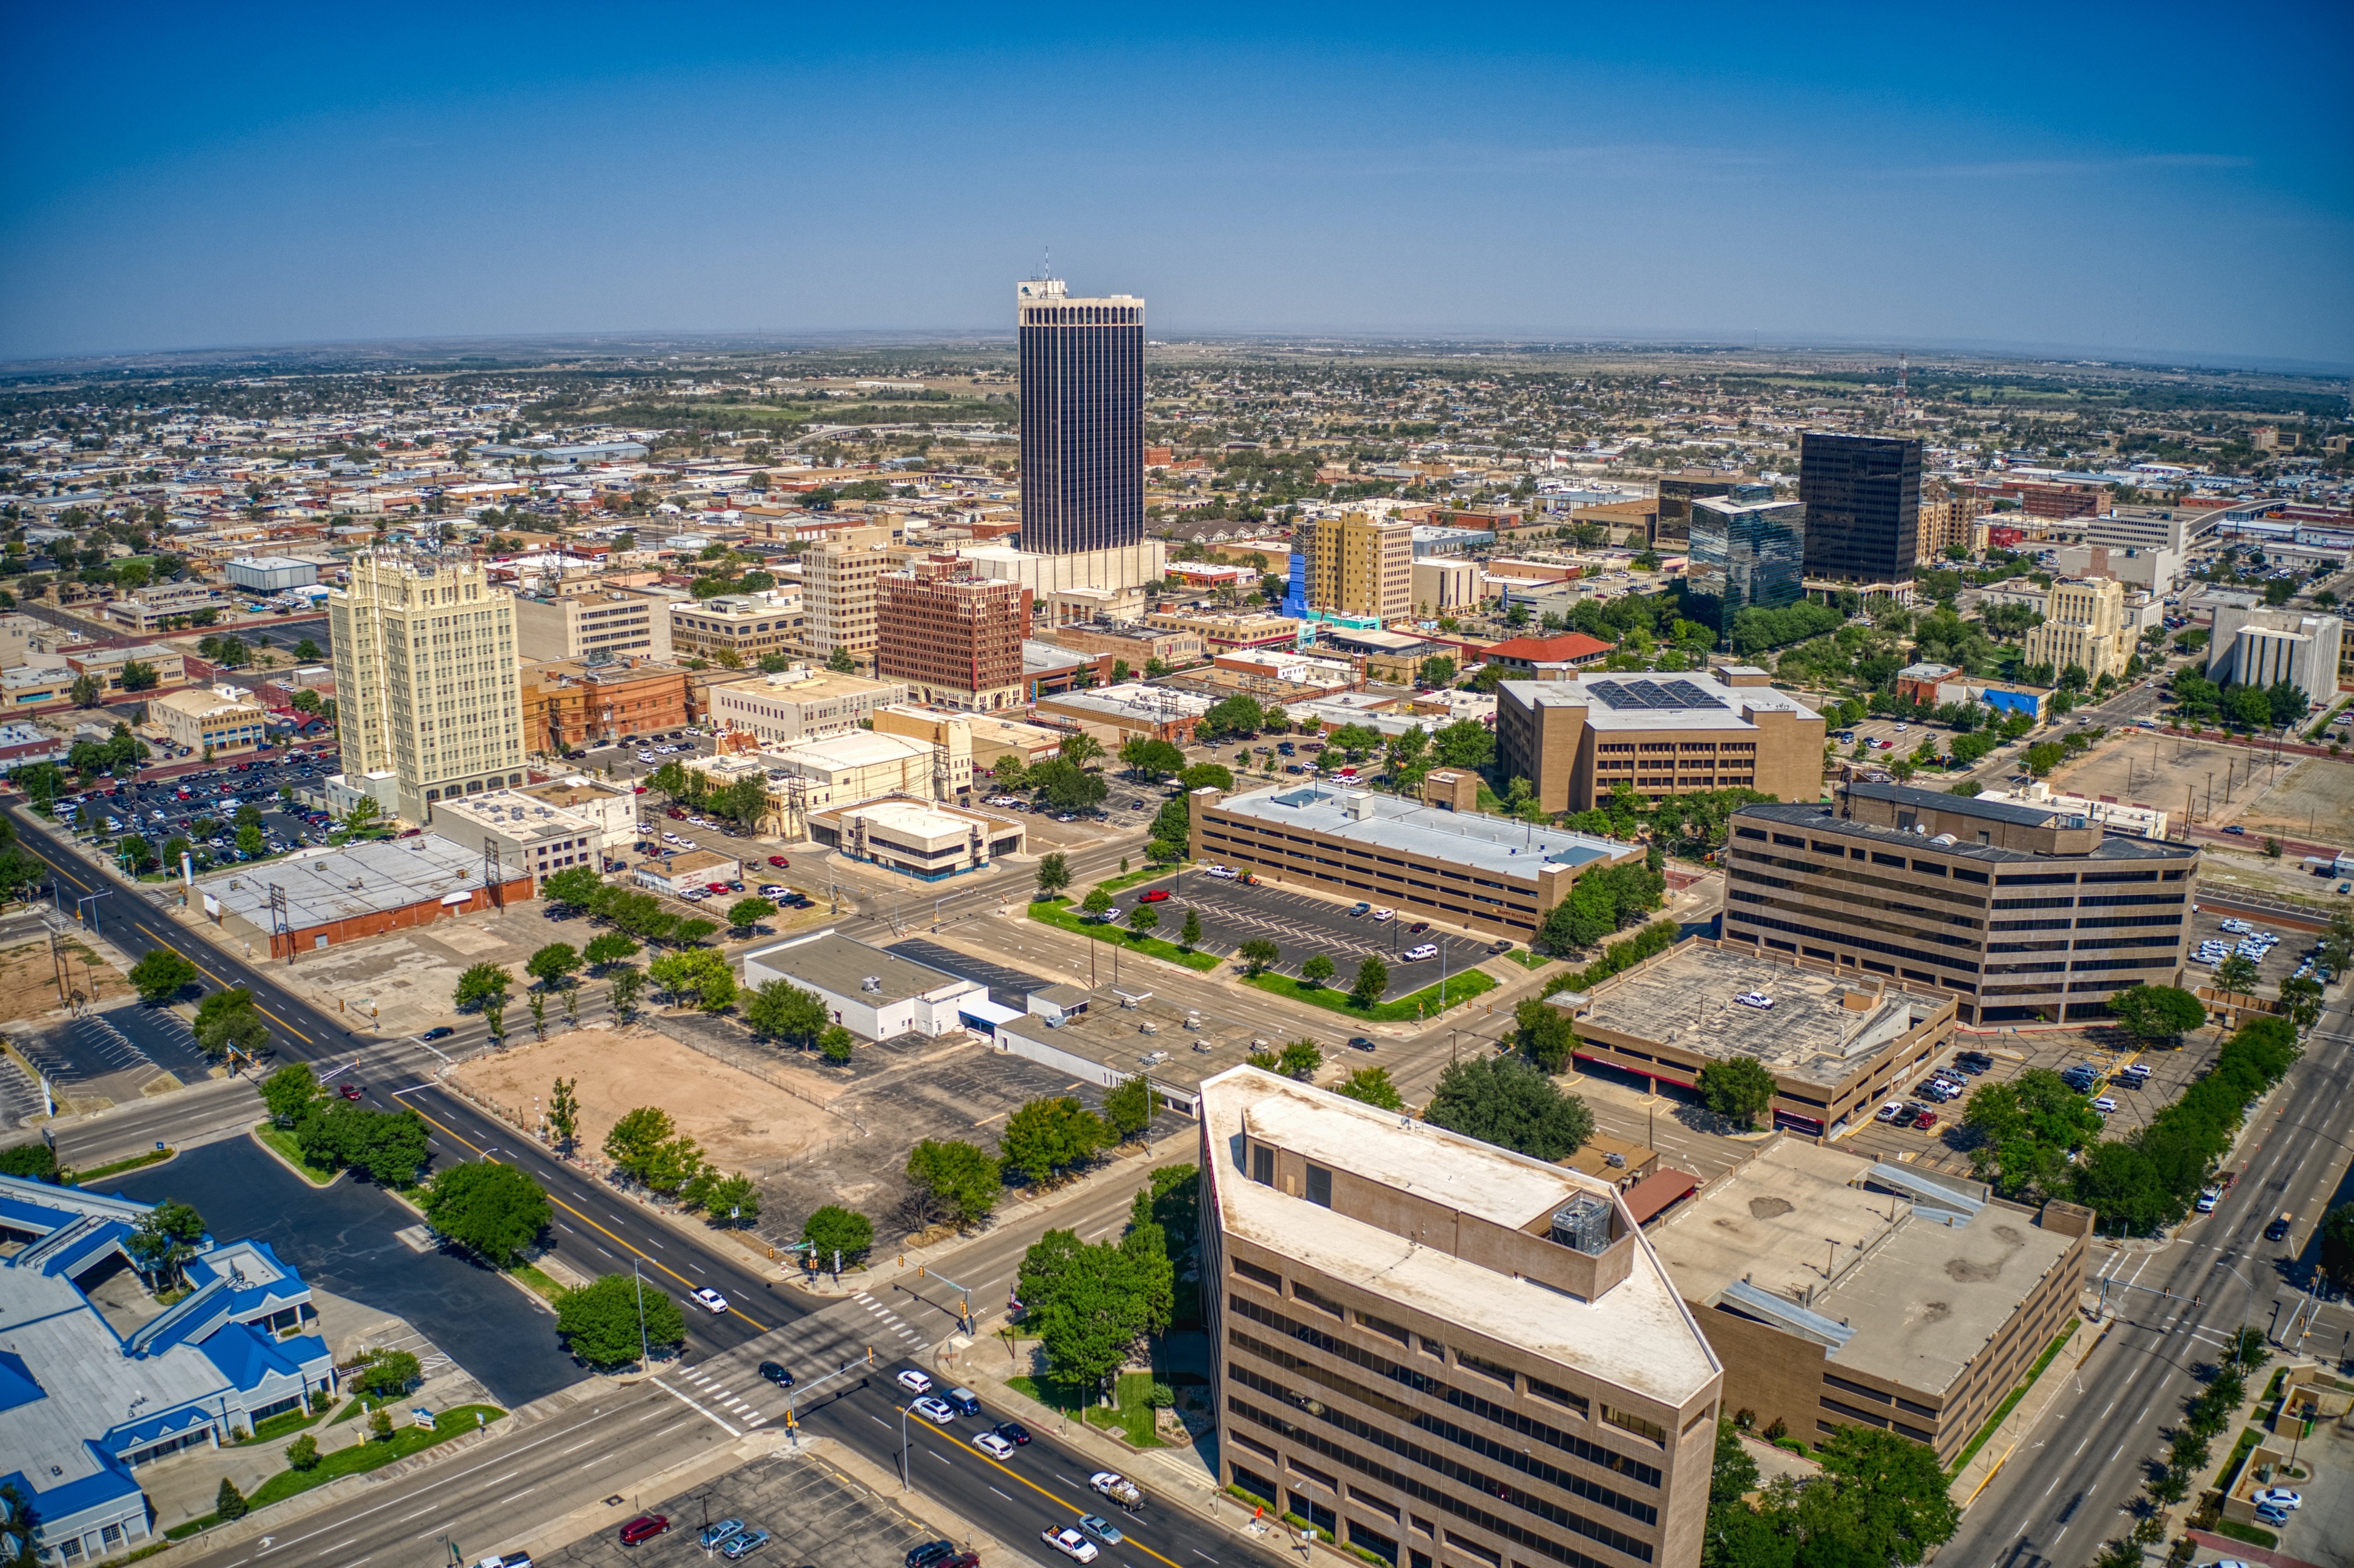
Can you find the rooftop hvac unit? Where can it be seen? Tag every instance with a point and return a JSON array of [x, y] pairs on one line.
[[871, 983], [1584, 1223]]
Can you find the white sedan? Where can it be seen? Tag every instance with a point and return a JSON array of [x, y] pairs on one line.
[[915, 1382], [710, 1300], [2279, 1497], [1070, 1543], [935, 1411], [1384, 914]]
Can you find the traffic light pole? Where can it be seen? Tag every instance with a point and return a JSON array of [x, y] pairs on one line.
[[792, 1416], [964, 1296]]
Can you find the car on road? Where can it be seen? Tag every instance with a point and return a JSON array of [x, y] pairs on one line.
[[1070, 1543], [717, 1534], [1153, 895], [644, 1528], [746, 1544], [914, 1382], [1101, 1529], [776, 1374], [1758, 999], [779, 859], [935, 1410], [1426, 950], [1013, 1432], [710, 1300], [1118, 1487], [349, 1091], [2278, 1229], [990, 1444], [1359, 1043], [2236, 830]]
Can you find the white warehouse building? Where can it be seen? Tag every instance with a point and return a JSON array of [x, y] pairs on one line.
[[873, 993], [271, 574]]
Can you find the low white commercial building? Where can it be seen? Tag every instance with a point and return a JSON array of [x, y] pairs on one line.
[[873, 993], [531, 832], [2115, 816], [916, 837], [270, 574], [686, 872]]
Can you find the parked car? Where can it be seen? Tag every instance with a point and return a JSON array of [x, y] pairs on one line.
[[746, 1544], [644, 1528], [929, 1552], [1153, 895], [715, 1534], [1426, 950], [1757, 998], [2278, 1497], [1893, 1111], [1361, 908]]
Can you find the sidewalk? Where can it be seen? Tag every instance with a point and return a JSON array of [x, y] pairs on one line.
[[2006, 1439]]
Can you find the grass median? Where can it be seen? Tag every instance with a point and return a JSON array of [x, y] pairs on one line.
[[1057, 913], [357, 1460], [1424, 1003], [281, 1143]]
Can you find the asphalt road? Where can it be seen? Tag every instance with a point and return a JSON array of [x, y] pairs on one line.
[[2058, 1500]]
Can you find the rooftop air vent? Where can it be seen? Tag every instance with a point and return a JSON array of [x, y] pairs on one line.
[[871, 983], [1584, 1223]]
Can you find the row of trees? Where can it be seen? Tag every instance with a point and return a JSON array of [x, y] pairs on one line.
[[953, 1181], [647, 1148], [2035, 1137], [388, 1148], [2189, 1448], [1092, 1305], [1878, 1499], [2276, 706]]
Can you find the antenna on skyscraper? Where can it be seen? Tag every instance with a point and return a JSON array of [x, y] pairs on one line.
[[1899, 387]]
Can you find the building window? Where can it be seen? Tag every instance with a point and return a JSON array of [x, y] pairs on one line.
[[1319, 1186], [1263, 1165]]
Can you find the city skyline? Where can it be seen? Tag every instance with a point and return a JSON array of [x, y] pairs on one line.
[[1901, 183]]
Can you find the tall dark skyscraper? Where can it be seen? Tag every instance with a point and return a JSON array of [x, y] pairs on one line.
[[1863, 496], [1082, 420], [1748, 552]]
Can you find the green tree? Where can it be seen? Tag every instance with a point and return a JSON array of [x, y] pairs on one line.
[[303, 1454], [601, 1323], [632, 1142], [387, 1147], [2025, 1130], [1087, 1304], [1301, 1059], [1049, 1134], [1544, 1033], [747, 913], [553, 964], [627, 983], [841, 663], [1129, 1105], [954, 1180], [731, 1202], [563, 1112], [1882, 1498], [481, 985], [836, 1045], [833, 1231], [493, 1209], [1258, 955], [782, 1010], [1203, 776], [609, 948], [575, 886], [1373, 978], [1507, 1101], [159, 975], [1142, 918], [1317, 969], [2237, 974], [1054, 874], [229, 1503], [290, 1092], [1737, 1088], [2155, 1012], [249, 841], [227, 1021], [1372, 1086], [1190, 934], [387, 1373], [164, 1240], [1097, 903]]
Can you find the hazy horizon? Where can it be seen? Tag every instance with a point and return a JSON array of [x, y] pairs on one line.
[[2032, 183]]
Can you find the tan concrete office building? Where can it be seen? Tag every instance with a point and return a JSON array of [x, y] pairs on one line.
[[1441, 1352], [2025, 912], [427, 687], [750, 626], [838, 578], [1443, 861], [579, 625], [1839, 1291], [212, 721], [798, 704], [1576, 741], [2084, 624]]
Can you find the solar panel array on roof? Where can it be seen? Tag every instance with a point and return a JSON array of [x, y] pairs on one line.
[[1625, 695]]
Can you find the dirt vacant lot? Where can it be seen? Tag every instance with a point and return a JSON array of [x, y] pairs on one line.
[[2313, 803], [743, 1123], [2165, 771]]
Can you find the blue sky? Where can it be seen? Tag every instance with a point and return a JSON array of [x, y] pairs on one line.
[[2150, 180]]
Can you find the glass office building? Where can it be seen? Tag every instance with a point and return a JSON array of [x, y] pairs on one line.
[[1082, 419], [1862, 495], [1748, 552]]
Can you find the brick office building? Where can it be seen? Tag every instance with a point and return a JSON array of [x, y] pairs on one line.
[[569, 704], [955, 638]]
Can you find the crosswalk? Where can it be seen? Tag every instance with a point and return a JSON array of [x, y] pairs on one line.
[[729, 1385]]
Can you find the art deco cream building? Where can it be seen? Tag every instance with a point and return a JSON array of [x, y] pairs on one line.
[[1360, 566], [2084, 624], [425, 678]]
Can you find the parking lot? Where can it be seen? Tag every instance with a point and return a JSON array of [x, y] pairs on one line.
[[200, 804], [1301, 924]]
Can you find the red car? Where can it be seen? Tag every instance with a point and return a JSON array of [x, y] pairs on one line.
[[349, 1091], [1925, 1119], [715, 887], [779, 859], [644, 1528], [1153, 895]]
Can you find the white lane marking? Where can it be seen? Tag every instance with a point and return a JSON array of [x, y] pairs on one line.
[[690, 1404]]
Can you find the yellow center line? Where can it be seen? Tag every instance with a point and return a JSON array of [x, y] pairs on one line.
[[733, 1310], [1050, 1497]]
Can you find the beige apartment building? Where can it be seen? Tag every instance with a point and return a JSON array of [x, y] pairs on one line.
[[1223, 632], [1440, 1352], [1947, 523], [426, 684], [1576, 741], [798, 704], [1444, 584], [1359, 564], [838, 578], [213, 721], [2084, 624], [583, 625], [747, 626]]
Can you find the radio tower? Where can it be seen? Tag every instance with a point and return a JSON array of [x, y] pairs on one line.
[[1903, 415]]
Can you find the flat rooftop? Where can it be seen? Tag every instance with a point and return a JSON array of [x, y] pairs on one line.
[[1637, 1334], [328, 884], [839, 963], [1494, 845], [1684, 998], [1116, 1035], [1659, 702], [1917, 1296], [1816, 818]]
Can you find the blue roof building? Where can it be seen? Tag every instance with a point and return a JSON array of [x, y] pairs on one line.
[[95, 1381]]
